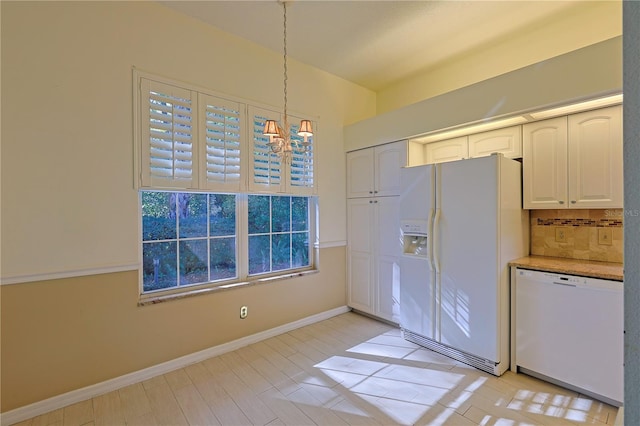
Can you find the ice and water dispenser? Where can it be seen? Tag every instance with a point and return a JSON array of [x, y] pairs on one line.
[[414, 237]]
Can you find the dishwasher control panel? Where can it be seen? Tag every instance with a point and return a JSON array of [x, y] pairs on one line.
[[571, 280]]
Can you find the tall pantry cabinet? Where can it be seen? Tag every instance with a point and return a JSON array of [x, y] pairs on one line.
[[373, 229]]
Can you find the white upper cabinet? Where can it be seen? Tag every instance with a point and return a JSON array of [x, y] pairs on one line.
[[390, 159], [507, 141], [574, 161], [544, 164], [360, 173], [595, 159], [447, 150], [375, 172]]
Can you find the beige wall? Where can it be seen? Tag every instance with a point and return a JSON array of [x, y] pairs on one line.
[[583, 24], [58, 336], [67, 195], [69, 205]]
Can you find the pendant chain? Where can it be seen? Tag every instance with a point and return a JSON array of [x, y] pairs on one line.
[[286, 124]]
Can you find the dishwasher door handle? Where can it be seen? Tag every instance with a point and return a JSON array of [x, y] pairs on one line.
[[565, 284]]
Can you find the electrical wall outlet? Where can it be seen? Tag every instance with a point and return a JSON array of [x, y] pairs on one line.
[[561, 235], [244, 311], [605, 236]]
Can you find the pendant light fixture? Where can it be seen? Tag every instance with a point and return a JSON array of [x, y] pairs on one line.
[[280, 136]]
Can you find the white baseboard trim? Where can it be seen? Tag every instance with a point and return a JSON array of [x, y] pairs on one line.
[[78, 395]]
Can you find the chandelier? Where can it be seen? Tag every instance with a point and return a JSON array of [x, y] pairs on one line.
[[280, 141]]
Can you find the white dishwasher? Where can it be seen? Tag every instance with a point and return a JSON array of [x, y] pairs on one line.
[[570, 331]]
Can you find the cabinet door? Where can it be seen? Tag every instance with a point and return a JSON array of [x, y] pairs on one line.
[[388, 248], [389, 159], [544, 164], [447, 150], [360, 173], [360, 253], [595, 159], [507, 141]]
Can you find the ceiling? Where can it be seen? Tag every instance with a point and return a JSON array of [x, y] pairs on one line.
[[376, 43]]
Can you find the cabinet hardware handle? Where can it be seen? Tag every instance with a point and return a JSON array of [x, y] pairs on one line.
[[375, 192], [573, 201], [370, 192], [561, 202], [565, 284]]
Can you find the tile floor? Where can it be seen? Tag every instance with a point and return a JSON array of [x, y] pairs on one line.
[[347, 370]]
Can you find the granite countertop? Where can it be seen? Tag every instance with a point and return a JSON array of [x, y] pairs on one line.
[[586, 268]]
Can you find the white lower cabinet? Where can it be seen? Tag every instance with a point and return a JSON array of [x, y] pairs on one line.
[[373, 252]]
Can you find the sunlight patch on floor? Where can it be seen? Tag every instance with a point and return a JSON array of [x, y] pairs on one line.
[[397, 352], [409, 384], [401, 412], [493, 421], [553, 405]]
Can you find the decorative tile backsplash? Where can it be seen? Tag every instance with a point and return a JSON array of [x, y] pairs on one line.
[[578, 234], [581, 222]]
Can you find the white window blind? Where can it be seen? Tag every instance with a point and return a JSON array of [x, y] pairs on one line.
[[168, 118], [267, 169], [194, 139], [222, 140], [301, 163]]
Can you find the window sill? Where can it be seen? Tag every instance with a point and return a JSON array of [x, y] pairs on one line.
[[152, 300]]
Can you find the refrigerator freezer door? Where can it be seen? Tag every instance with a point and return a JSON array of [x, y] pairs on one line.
[[417, 313], [467, 250], [417, 301]]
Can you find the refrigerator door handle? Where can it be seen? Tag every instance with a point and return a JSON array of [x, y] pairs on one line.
[[430, 241], [435, 240]]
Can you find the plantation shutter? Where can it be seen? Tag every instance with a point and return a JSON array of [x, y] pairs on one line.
[[195, 140], [267, 170], [301, 169], [168, 117], [221, 141]]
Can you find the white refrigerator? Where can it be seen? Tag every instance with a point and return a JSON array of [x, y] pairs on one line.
[[462, 222]]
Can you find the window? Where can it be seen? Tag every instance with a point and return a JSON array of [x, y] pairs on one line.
[[217, 206], [278, 233], [194, 239], [187, 239]]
